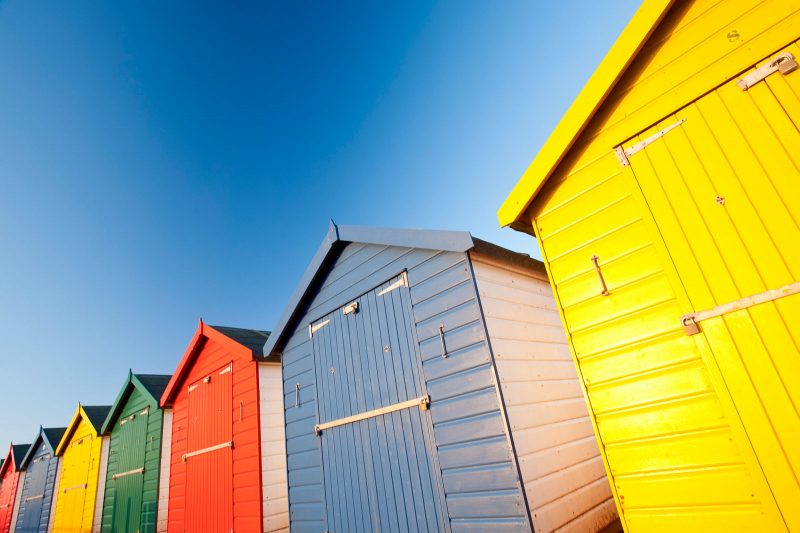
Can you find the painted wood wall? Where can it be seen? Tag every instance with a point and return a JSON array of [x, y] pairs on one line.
[[675, 447], [273, 449], [17, 500], [481, 483], [50, 482], [565, 481], [101, 484], [136, 402], [56, 484], [247, 503], [163, 480]]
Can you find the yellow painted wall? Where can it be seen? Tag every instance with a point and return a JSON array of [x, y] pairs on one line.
[[77, 488], [694, 436]]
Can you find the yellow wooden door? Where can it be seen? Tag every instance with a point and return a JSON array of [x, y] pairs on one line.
[[73, 486], [722, 179]]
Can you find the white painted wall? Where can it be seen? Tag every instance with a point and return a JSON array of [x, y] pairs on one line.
[[101, 484], [17, 500], [55, 497], [559, 458], [273, 448], [163, 479]]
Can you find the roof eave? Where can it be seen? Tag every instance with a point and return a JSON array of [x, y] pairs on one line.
[[33, 446], [453, 241], [589, 100]]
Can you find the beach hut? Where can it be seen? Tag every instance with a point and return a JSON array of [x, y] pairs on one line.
[[9, 481], [84, 455], [134, 426], [222, 412], [428, 387], [667, 208], [40, 465]]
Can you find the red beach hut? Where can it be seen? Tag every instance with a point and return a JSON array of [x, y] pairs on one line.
[[9, 480], [215, 478]]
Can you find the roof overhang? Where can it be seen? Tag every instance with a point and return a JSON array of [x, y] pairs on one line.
[[203, 333], [616, 62], [339, 236], [79, 415], [40, 436], [131, 382], [9, 460]]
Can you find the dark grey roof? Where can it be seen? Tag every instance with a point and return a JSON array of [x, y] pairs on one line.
[[154, 383], [251, 338], [19, 451], [51, 437], [54, 436], [97, 414], [338, 236]]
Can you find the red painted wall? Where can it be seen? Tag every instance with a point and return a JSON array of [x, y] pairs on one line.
[[246, 452], [8, 493]]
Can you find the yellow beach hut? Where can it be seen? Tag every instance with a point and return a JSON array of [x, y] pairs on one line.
[[83, 453], [666, 206]]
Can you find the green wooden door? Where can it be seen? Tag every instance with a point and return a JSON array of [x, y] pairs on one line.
[[129, 479]]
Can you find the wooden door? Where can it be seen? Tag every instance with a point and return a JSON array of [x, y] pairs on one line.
[[723, 184], [129, 442], [209, 460], [379, 470]]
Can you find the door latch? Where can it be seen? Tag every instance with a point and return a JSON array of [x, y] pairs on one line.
[[784, 63]]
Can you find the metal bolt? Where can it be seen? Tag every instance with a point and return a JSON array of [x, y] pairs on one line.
[[721, 200]]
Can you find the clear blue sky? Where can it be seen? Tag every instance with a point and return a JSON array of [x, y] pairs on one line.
[[163, 161]]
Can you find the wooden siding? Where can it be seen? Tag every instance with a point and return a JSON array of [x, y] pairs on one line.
[[101, 484], [136, 402], [50, 479], [273, 449], [52, 518], [565, 482], [8, 495], [247, 504], [84, 470], [736, 145], [675, 448], [15, 512], [481, 484], [164, 469]]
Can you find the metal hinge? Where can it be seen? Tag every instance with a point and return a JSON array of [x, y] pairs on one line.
[[689, 322], [624, 153], [402, 281], [784, 63], [423, 402], [314, 327]]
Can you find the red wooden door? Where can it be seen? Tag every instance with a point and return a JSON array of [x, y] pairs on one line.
[[8, 491], [209, 460]]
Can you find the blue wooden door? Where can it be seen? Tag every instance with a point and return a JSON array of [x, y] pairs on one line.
[[33, 492], [380, 472]]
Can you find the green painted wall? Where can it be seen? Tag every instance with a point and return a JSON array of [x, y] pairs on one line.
[[136, 402]]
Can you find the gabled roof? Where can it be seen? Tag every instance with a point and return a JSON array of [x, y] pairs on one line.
[[50, 436], [94, 414], [16, 453], [582, 110], [248, 342], [152, 385], [339, 236]]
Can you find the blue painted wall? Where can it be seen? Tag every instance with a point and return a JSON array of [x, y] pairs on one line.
[[478, 470], [40, 479]]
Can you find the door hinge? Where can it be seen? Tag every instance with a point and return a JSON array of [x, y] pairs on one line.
[[624, 153], [312, 328], [784, 63], [690, 320]]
